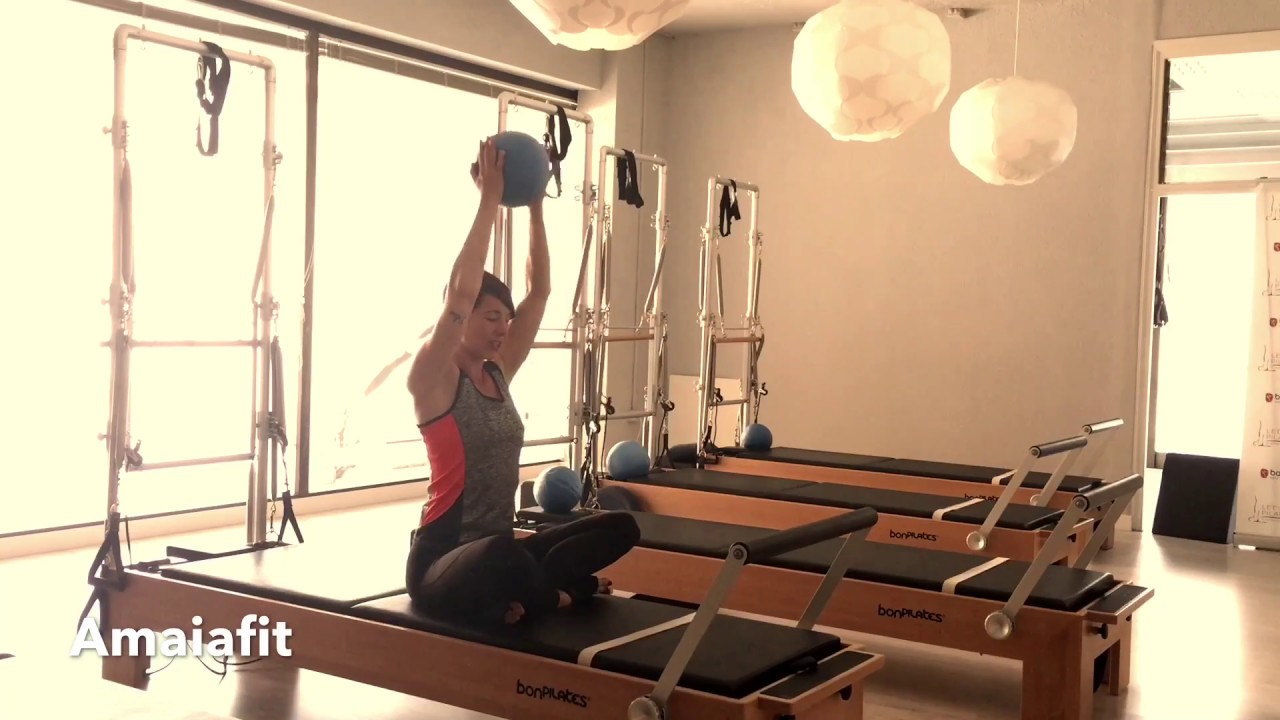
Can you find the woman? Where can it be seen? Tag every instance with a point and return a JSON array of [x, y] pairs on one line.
[[465, 560]]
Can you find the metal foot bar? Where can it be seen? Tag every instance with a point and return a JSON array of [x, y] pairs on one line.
[[1095, 452], [651, 327], [122, 282], [711, 312], [1000, 624], [741, 554], [1067, 448], [1042, 498], [578, 326]]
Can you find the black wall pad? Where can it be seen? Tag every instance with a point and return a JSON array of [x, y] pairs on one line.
[[1197, 495]]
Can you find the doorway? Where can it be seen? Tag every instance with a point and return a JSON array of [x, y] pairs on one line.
[[1202, 348]]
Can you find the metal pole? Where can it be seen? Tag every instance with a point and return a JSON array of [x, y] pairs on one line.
[[706, 373], [752, 320], [302, 446]]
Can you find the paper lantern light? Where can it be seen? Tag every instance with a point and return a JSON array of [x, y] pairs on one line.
[[1012, 131], [868, 70], [600, 24]]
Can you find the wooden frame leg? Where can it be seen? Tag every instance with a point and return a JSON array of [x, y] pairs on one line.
[[1118, 659], [130, 671], [1058, 686]]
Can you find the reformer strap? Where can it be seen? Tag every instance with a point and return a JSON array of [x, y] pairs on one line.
[[214, 95], [949, 587], [729, 208], [999, 479], [557, 151], [939, 513], [628, 180], [276, 431], [588, 655], [108, 550]]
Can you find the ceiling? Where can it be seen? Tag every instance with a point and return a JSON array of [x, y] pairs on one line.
[[713, 15]]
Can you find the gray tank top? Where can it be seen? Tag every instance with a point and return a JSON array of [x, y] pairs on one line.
[[474, 451]]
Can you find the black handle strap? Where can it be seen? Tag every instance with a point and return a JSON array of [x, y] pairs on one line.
[[213, 96], [628, 180], [729, 208], [108, 550], [557, 151]]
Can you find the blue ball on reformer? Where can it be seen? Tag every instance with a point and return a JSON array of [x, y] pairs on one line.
[[757, 437], [627, 460], [558, 489], [526, 168]]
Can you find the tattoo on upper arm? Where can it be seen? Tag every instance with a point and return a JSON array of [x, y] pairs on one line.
[[456, 317]]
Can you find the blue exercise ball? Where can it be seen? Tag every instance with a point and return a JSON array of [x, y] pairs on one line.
[[558, 489], [526, 168], [757, 437], [628, 459]]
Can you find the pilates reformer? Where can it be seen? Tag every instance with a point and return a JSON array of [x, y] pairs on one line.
[[612, 657], [1022, 485], [608, 658], [927, 520], [1053, 490], [1070, 627]]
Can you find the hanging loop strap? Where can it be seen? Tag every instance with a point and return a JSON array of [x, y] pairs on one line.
[[212, 82], [628, 180], [557, 151], [729, 208]]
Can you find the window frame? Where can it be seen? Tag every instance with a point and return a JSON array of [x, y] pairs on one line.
[[315, 39]]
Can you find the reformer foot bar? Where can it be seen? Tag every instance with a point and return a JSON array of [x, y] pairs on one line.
[[1070, 627], [612, 657], [651, 328], [266, 432]]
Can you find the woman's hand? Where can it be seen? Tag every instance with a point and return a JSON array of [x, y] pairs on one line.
[[488, 171]]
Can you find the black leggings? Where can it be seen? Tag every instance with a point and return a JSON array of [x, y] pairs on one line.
[[479, 581]]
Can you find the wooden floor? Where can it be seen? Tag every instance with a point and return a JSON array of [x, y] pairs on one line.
[[1206, 648]]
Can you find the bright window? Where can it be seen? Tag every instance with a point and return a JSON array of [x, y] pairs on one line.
[[197, 227], [395, 204]]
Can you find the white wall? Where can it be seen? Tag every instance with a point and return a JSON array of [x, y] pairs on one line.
[[912, 310]]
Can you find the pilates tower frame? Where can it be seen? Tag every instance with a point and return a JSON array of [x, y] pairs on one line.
[[711, 316], [122, 450], [591, 331]]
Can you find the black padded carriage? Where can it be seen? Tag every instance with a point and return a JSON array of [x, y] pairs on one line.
[[902, 466], [886, 502], [1060, 588], [736, 657]]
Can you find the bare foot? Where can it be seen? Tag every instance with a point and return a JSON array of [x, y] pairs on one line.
[[565, 600], [606, 586], [514, 613]]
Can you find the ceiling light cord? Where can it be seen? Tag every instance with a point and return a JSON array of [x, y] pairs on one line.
[[1017, 30]]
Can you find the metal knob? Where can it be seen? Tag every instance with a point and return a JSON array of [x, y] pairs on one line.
[[976, 541], [644, 708], [998, 625]]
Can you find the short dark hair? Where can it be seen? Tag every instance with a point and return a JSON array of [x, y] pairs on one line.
[[491, 285]]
